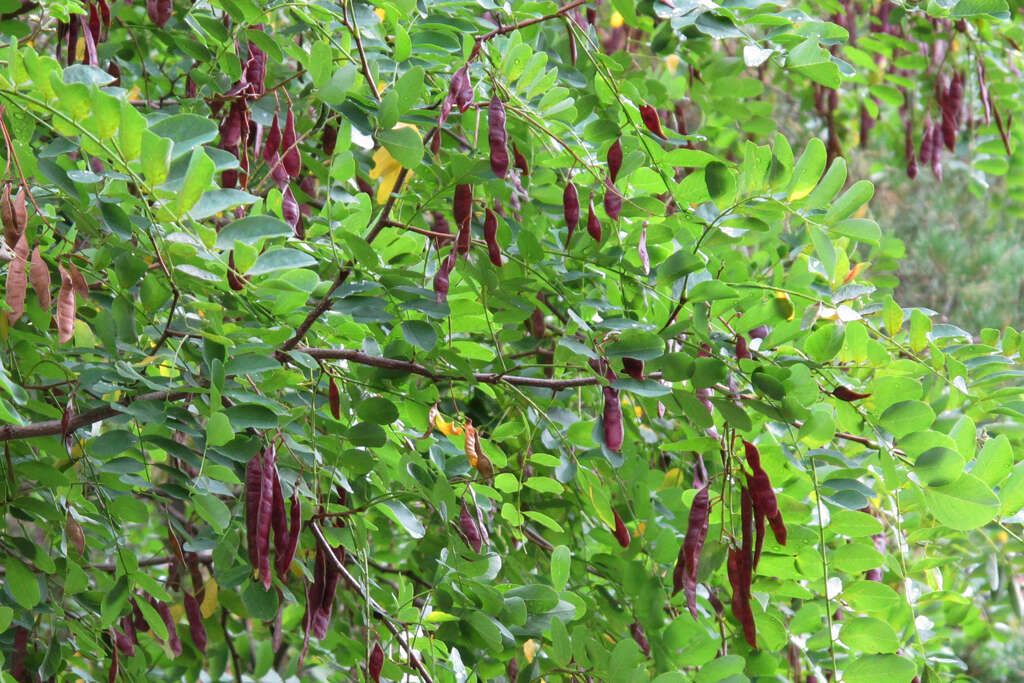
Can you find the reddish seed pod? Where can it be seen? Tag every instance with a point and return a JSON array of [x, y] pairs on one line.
[[621, 532], [746, 536], [651, 120], [159, 12], [760, 332], [614, 160], [266, 516], [441, 283], [328, 139], [291, 158], [925, 153], [758, 537], [497, 136], [462, 210], [612, 201], [762, 494], [537, 326], [778, 527], [752, 454], [571, 206], [291, 213], [285, 556], [637, 631], [634, 367], [376, 662], [847, 394], [693, 543], [742, 350], [124, 643], [908, 150], [272, 145], [334, 398], [613, 432], [469, 529], [460, 91], [279, 516], [491, 237], [195, 622], [520, 160], [235, 282], [593, 223]]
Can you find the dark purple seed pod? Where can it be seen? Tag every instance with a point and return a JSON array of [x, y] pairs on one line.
[[469, 529], [460, 91], [159, 12], [375, 662], [571, 206], [612, 201], [195, 622], [491, 237], [614, 160], [634, 367], [289, 142], [613, 431], [497, 136], [272, 145], [742, 350], [593, 224], [621, 532], [520, 160]]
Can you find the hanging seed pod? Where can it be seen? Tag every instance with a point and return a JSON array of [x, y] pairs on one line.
[[925, 153], [614, 160], [742, 350], [593, 224], [650, 118], [441, 283], [520, 160], [936, 148], [760, 332], [613, 431], [983, 94], [741, 597], [329, 139], [39, 276], [759, 537], [571, 206], [272, 145], [621, 532], [334, 398], [460, 91], [284, 557], [908, 150], [634, 367], [235, 281], [847, 394], [637, 631], [67, 307], [463, 212], [159, 12], [497, 136], [195, 622], [491, 237], [469, 528], [258, 504], [173, 641], [375, 662], [685, 577], [11, 233], [290, 157], [612, 201], [291, 213], [746, 535], [537, 326]]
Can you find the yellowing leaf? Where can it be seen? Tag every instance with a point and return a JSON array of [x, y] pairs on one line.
[[209, 604], [529, 650], [673, 479], [616, 20], [471, 445], [672, 62], [446, 428]]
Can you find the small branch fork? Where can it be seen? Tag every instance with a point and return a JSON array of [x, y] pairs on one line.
[[377, 609]]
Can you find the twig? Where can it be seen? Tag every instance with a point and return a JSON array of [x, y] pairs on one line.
[[421, 231], [167, 327], [501, 30], [354, 28], [377, 609], [231, 646]]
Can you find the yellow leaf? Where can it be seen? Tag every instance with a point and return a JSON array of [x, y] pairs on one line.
[[383, 163], [387, 185], [529, 650], [381, 13], [446, 428], [673, 479], [640, 529], [784, 306], [616, 20], [209, 604], [672, 62], [471, 453]]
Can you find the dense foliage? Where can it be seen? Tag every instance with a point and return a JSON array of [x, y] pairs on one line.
[[464, 341]]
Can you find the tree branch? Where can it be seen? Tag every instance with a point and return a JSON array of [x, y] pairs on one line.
[[377, 609], [50, 427], [501, 30]]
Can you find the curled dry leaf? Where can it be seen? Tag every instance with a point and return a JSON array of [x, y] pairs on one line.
[[39, 276], [75, 534], [66, 307], [17, 282]]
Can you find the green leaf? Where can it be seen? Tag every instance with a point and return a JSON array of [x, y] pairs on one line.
[[711, 290], [906, 417], [156, 158], [420, 334], [401, 514], [281, 259], [972, 8], [825, 342], [198, 177], [636, 344], [377, 409], [994, 461], [861, 229], [212, 509], [405, 145], [251, 230], [21, 583], [963, 505], [186, 131], [218, 430], [720, 180], [939, 466], [858, 195], [808, 169], [561, 560], [874, 668]]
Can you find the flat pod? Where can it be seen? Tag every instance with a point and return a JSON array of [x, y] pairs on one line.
[[195, 622], [621, 532], [17, 283], [375, 662], [460, 89], [469, 529], [613, 431], [593, 223], [520, 160], [289, 142], [334, 398], [651, 120], [612, 201], [571, 206], [614, 160], [491, 237]]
